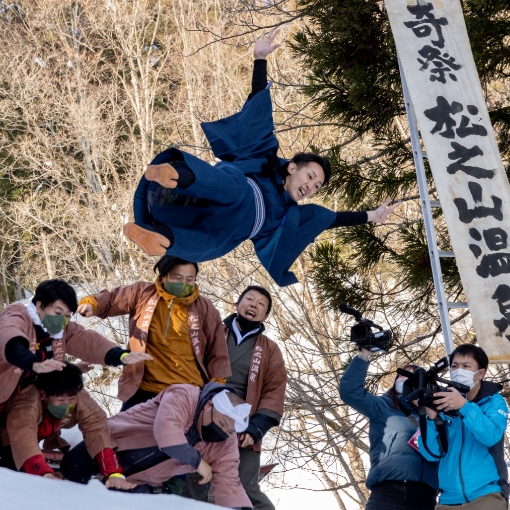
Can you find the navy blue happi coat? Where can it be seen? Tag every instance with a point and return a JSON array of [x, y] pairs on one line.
[[232, 201]]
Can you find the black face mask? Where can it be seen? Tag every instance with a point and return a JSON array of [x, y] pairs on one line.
[[212, 433], [247, 325]]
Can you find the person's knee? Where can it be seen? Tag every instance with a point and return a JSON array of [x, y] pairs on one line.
[[77, 465]]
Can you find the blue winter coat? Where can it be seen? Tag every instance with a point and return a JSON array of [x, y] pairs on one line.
[[474, 465], [224, 208], [391, 457]]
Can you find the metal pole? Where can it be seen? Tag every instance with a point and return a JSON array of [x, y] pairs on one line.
[[427, 217]]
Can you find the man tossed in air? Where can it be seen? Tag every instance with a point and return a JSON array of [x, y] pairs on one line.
[[188, 208]]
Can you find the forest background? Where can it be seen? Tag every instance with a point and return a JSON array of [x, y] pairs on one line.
[[91, 91]]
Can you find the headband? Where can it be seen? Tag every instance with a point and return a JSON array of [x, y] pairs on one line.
[[240, 413]]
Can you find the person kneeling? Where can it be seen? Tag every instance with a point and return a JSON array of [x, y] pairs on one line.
[[40, 411], [181, 430]]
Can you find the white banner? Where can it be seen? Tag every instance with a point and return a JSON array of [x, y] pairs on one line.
[[473, 189]]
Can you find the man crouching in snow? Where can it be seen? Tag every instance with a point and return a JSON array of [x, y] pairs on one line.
[[181, 430], [40, 411]]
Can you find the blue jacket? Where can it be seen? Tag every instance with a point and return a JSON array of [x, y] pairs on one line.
[[391, 458], [474, 465]]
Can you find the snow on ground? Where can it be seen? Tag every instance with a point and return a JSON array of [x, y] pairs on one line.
[[19, 491]]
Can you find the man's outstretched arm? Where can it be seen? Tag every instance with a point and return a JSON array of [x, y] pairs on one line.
[[263, 47], [379, 215]]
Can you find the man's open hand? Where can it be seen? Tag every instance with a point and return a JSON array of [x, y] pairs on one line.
[[380, 214], [119, 483], [49, 365], [264, 44], [52, 476]]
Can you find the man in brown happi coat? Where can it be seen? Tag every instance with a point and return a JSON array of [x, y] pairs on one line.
[[35, 338], [57, 400], [259, 376], [172, 322]]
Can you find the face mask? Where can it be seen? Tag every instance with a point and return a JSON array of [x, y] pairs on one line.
[[60, 411], [399, 386], [463, 377], [212, 433], [179, 289], [247, 325], [55, 323]]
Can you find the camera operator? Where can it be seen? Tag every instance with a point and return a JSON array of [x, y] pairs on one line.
[[399, 478], [473, 472]]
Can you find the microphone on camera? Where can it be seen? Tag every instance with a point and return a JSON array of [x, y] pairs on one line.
[[351, 311]]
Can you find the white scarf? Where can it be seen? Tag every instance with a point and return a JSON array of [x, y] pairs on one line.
[[32, 311], [240, 413]]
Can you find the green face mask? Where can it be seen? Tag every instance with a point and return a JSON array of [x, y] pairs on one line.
[[55, 323], [179, 289], [60, 411]]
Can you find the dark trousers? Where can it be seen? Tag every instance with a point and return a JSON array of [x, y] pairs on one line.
[[79, 467], [249, 467], [6, 459], [138, 398], [401, 495]]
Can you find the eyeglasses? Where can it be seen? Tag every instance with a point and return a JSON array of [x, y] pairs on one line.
[[190, 280]]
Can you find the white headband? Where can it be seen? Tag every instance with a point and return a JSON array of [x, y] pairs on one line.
[[240, 413]]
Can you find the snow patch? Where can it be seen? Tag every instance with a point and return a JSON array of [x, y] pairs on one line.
[[28, 492]]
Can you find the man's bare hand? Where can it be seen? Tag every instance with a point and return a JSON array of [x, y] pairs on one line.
[[84, 366], [119, 483], [380, 214], [85, 310], [49, 365], [264, 44], [449, 400], [135, 357], [365, 354], [205, 471], [52, 476], [245, 440], [431, 413]]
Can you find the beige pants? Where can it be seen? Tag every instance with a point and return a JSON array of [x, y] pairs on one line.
[[494, 501]]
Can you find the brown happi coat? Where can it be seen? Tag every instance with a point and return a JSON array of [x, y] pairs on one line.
[[164, 421], [25, 413], [139, 301], [267, 378], [77, 341]]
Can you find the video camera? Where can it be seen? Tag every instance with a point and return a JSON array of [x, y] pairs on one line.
[[362, 334], [422, 384]]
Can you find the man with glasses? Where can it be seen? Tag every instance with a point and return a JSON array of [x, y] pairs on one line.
[[169, 320]]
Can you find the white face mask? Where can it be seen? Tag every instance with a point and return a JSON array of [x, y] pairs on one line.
[[399, 386], [463, 376]]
